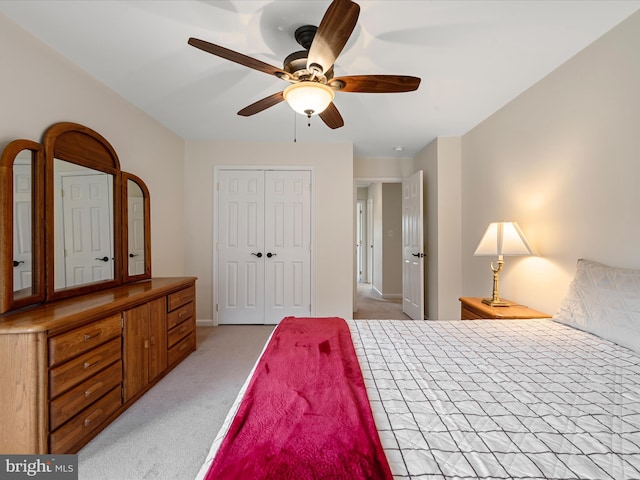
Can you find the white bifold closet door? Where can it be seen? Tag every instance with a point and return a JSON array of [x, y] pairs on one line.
[[263, 245]]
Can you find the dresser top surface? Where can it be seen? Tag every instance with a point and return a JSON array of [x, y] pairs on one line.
[[84, 308]]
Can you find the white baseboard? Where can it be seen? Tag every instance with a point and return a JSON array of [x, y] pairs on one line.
[[387, 295], [202, 322]]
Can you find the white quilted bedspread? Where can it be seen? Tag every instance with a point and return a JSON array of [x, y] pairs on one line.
[[526, 399]]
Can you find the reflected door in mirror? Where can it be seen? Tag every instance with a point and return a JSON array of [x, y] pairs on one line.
[[22, 223], [84, 220], [135, 215]]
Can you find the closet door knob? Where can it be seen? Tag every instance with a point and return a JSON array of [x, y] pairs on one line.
[[103, 259], [259, 254], [271, 254]]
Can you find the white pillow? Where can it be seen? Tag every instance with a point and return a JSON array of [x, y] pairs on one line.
[[604, 301]]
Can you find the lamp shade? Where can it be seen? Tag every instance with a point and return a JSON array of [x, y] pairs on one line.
[[308, 98], [503, 238]]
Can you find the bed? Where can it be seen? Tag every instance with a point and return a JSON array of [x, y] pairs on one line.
[[527, 399]]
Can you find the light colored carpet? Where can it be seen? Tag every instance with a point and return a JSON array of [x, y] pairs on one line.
[[373, 307], [167, 433]]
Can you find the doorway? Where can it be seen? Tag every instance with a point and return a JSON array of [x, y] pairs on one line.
[[378, 292], [389, 246]]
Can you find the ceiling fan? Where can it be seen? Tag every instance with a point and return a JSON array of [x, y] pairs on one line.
[[310, 72]]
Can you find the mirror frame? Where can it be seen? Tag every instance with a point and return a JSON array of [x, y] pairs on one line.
[[125, 228], [8, 300], [75, 143]]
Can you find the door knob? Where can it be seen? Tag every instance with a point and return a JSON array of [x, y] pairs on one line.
[[103, 259], [16, 262], [259, 254], [419, 255], [271, 254], [131, 255]]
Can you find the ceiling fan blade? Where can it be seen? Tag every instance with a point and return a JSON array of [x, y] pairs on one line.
[[331, 117], [332, 35], [375, 83], [261, 105], [237, 57]]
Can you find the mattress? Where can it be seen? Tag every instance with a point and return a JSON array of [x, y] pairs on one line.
[[526, 399]]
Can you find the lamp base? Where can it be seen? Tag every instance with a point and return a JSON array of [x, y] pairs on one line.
[[495, 303]]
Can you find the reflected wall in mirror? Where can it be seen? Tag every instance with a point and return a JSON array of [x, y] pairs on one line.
[[83, 222], [21, 225], [136, 224], [83, 207]]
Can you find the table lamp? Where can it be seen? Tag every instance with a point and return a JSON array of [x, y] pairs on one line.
[[502, 239]]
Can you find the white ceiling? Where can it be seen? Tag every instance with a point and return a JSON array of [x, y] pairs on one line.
[[473, 57]]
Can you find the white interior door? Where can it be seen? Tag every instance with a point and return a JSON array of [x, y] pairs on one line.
[[88, 238], [287, 228], [22, 240], [263, 246], [413, 247], [361, 241], [240, 247], [369, 253], [135, 214]]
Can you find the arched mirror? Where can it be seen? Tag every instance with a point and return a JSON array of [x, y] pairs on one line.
[[83, 210], [136, 224], [21, 225], [70, 221]]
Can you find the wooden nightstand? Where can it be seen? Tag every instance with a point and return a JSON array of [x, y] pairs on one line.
[[474, 309]]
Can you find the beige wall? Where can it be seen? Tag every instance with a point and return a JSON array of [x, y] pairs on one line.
[[382, 168], [563, 160], [40, 87], [440, 162], [392, 240], [332, 214]]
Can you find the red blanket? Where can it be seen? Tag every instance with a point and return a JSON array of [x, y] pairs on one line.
[[306, 414]]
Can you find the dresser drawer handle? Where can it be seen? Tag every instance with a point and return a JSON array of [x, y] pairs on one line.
[[88, 365], [183, 329], [182, 313], [91, 418], [89, 336], [93, 390]]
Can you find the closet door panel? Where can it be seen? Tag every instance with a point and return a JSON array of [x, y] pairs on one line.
[[240, 247], [287, 244]]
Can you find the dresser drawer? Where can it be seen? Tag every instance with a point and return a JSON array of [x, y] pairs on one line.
[[68, 345], [178, 299], [67, 405], [179, 315], [468, 314], [180, 331], [181, 349], [82, 425], [73, 372]]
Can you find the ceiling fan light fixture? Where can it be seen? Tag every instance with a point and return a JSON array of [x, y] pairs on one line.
[[308, 98]]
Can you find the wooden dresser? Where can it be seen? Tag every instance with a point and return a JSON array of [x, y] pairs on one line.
[[70, 367]]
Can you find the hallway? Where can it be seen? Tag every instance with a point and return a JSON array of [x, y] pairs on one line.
[[372, 307]]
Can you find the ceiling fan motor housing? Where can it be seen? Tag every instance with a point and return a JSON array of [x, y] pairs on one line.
[[296, 63]]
